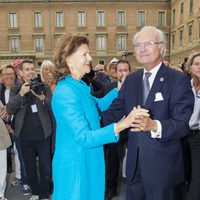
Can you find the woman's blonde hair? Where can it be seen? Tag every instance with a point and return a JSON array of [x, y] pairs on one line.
[[49, 64]]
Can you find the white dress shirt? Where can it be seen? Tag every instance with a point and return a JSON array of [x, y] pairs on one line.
[[194, 122], [158, 133]]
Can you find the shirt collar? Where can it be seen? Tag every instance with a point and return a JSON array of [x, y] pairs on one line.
[[154, 70]]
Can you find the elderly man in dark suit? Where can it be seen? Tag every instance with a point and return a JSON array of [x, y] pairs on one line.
[[31, 105], [154, 160]]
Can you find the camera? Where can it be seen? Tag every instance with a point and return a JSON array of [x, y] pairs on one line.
[[36, 85], [89, 77]]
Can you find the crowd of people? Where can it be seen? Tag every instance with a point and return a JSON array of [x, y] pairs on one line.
[[76, 131]]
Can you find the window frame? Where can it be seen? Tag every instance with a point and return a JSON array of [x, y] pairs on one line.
[[13, 23], [118, 18], [164, 24], [39, 49], [139, 17], [83, 19], [17, 47], [62, 19], [98, 19], [38, 21]]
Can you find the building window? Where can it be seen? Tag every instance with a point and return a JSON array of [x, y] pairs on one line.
[[39, 44], [101, 18], [190, 33], [181, 11], [101, 43], [38, 19], [59, 19], [181, 38], [102, 62], [141, 18], [121, 18], [13, 20], [161, 18], [173, 17], [81, 19], [39, 64], [14, 44], [191, 6], [173, 40], [121, 42]]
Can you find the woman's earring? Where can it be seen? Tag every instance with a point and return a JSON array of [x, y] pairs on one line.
[[70, 67]]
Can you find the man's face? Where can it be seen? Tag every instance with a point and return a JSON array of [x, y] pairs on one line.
[[28, 72], [122, 71], [148, 48], [8, 77], [112, 71], [100, 68]]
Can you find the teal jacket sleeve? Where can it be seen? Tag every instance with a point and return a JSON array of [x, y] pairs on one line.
[[104, 103], [70, 114]]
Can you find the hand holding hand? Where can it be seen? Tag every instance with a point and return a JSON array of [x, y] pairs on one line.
[[144, 123], [130, 119]]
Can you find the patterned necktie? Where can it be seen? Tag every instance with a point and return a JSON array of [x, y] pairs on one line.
[[145, 87]]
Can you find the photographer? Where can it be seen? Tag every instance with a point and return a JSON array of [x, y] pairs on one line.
[[30, 104]]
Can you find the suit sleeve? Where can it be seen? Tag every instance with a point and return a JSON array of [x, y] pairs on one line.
[[117, 109], [67, 109], [180, 110]]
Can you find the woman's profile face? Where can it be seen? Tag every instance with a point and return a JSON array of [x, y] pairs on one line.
[[195, 67], [79, 62], [47, 74]]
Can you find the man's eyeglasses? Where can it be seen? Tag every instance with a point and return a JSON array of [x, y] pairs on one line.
[[147, 44], [99, 70]]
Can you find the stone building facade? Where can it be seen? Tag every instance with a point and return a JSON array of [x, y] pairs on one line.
[[29, 29]]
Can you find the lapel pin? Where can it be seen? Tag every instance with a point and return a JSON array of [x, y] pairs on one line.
[[161, 79]]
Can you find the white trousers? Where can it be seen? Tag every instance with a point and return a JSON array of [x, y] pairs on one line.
[[3, 171], [124, 165], [17, 163]]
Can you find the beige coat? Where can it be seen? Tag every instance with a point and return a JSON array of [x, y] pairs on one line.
[[5, 141]]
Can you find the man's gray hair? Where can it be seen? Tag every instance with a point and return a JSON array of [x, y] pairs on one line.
[[161, 35]]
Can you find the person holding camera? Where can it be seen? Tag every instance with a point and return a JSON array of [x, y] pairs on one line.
[[30, 103]]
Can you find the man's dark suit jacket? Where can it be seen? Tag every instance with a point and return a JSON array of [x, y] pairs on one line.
[[17, 106], [160, 160]]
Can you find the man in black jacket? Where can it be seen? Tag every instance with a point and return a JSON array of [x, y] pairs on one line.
[[30, 104]]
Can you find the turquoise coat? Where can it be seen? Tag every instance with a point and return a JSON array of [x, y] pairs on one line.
[[78, 164]]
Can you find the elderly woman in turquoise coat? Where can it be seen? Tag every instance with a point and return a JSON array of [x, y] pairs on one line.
[[78, 164]]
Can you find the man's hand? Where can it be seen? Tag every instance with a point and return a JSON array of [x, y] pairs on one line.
[[10, 130], [131, 119], [143, 123], [120, 82], [3, 115], [24, 89]]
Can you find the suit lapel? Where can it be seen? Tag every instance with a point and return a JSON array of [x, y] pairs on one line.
[[158, 83], [138, 87]]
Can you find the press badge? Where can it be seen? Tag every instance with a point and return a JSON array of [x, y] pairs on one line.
[[34, 108]]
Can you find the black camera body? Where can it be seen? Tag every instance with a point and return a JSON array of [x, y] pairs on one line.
[[37, 86]]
